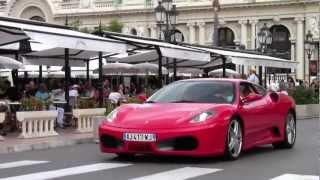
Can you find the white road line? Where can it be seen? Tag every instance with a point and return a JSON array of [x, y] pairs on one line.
[[20, 164], [68, 171], [296, 177], [179, 174]]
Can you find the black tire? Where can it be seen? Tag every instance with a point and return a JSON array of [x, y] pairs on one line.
[[125, 156], [229, 154], [288, 142]]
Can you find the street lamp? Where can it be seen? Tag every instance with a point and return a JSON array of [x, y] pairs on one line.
[[309, 48], [216, 9], [166, 14], [265, 39]]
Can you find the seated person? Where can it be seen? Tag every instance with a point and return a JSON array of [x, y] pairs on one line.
[[42, 93], [223, 96], [245, 91], [115, 96]]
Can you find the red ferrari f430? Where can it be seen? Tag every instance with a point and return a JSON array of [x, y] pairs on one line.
[[201, 117]]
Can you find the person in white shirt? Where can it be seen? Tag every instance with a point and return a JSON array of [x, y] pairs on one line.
[[253, 77]]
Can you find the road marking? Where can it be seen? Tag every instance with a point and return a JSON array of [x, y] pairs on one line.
[[179, 174], [20, 164], [296, 177], [68, 171]]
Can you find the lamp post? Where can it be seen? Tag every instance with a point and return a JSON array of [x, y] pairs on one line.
[[166, 14], [309, 48], [216, 9], [265, 39]]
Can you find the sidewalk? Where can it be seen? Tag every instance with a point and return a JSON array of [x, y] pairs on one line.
[[66, 137]]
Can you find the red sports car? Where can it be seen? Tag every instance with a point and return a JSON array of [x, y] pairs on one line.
[[201, 117]]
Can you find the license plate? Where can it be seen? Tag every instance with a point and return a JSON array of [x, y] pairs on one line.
[[140, 137]]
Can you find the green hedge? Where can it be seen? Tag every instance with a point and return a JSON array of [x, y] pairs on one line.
[[304, 95]]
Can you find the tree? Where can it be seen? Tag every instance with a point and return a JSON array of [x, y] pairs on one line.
[[75, 25], [115, 26]]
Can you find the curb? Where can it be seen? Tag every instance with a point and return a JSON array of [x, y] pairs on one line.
[[43, 146], [308, 118]]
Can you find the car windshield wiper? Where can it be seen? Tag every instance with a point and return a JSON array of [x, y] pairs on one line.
[[150, 102]]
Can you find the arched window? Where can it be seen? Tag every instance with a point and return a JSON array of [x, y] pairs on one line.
[[226, 37], [134, 31], [37, 18], [280, 38]]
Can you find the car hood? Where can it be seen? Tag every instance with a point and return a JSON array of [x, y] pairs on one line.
[[158, 115]]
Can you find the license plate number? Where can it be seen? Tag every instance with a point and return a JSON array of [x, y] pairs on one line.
[[140, 137]]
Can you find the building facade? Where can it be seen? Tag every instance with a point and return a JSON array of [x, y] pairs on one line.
[[240, 21]]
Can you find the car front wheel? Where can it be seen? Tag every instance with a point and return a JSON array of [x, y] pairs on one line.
[[234, 140]]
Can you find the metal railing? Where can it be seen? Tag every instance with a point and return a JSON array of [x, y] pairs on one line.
[[105, 3], [70, 4]]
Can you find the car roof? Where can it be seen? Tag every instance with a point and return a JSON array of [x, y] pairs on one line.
[[216, 79]]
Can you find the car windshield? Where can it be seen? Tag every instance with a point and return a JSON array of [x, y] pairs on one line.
[[220, 92]]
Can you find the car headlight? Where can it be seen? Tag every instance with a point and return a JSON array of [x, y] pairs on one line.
[[202, 116], [112, 115]]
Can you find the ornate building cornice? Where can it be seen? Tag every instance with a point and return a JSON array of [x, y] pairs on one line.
[[191, 7]]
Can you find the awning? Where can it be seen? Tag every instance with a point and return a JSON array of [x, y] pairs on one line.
[[265, 63], [152, 57], [52, 62], [62, 37], [55, 57], [9, 35], [167, 49], [243, 58]]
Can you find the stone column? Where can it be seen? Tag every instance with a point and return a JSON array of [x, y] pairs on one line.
[[192, 32], [301, 72], [244, 38], [202, 33], [254, 23], [293, 54]]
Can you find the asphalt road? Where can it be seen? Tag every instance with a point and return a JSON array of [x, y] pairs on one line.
[[85, 162]]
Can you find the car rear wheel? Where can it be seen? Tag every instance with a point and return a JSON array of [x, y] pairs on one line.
[[290, 132], [234, 140]]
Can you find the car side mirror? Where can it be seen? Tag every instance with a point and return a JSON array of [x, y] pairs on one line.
[[274, 97], [251, 97]]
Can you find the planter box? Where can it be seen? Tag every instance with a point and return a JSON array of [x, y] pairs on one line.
[[308, 111], [85, 118], [96, 123], [37, 123]]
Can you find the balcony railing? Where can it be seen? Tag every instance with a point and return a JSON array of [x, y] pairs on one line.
[[149, 4], [70, 4], [105, 3], [3, 4]]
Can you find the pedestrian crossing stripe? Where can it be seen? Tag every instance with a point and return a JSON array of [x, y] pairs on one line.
[[176, 174], [296, 177], [20, 164], [179, 174], [68, 171]]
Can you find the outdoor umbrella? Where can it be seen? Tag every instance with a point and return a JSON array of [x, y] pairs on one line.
[[218, 72], [116, 68], [9, 63], [148, 68], [188, 71]]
